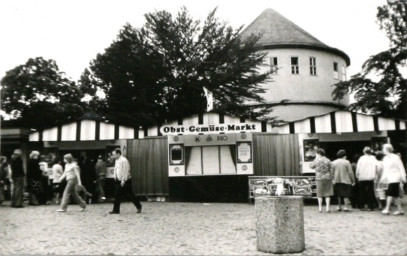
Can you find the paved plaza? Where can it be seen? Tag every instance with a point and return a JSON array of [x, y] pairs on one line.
[[188, 228]]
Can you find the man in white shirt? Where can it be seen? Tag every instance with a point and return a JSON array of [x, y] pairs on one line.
[[366, 173], [122, 182]]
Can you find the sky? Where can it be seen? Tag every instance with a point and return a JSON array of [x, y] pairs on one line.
[[73, 32]]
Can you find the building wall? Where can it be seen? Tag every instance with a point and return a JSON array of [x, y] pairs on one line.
[[295, 112], [303, 86]]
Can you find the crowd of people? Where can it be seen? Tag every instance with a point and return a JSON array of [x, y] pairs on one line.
[[43, 181], [374, 180], [63, 181]]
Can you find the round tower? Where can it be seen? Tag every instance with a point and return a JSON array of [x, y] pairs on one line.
[[304, 69]]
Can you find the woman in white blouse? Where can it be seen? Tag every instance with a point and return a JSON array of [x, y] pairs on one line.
[[393, 174]]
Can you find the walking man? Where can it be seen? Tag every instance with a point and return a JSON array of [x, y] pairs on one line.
[[366, 173], [101, 176], [122, 182]]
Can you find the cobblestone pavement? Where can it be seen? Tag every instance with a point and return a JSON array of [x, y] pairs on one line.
[[188, 228]]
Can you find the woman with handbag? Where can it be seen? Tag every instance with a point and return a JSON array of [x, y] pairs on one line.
[[324, 175], [393, 174]]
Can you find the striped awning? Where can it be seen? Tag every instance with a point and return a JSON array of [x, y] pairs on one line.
[[86, 130], [342, 122]]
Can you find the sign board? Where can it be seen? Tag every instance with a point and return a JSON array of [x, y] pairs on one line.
[[209, 129], [293, 185], [244, 152], [210, 139]]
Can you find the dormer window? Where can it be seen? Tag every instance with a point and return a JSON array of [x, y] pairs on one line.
[[294, 66]]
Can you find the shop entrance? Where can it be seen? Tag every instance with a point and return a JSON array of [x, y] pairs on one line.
[[352, 148]]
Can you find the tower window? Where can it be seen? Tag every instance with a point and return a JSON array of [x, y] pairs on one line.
[[343, 73], [336, 73], [294, 66], [274, 65], [312, 66]]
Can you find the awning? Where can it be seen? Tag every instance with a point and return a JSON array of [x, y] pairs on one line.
[[342, 122], [86, 130]]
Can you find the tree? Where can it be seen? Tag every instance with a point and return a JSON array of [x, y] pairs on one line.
[[38, 95], [381, 86], [157, 72]]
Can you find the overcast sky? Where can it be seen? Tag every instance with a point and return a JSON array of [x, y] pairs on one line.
[[73, 32]]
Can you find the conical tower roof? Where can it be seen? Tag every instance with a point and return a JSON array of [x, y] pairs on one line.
[[279, 32]]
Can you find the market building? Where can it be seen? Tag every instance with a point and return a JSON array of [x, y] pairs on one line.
[[215, 157]]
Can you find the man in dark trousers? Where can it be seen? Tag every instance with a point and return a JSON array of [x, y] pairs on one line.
[[17, 175], [122, 182]]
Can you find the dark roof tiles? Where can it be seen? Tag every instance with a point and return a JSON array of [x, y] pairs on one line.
[[277, 31]]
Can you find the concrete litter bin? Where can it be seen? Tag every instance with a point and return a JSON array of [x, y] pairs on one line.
[[280, 224]]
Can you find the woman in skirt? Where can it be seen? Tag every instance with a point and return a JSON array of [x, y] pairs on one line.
[[393, 174], [343, 179], [323, 170]]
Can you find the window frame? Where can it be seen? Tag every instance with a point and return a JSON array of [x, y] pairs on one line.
[[344, 73], [336, 70], [313, 66], [273, 65], [296, 67]]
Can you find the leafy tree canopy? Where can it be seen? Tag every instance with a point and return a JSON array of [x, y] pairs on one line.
[[381, 86], [157, 72], [38, 95]]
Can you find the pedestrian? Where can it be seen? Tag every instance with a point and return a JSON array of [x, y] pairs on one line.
[[323, 170], [343, 180], [82, 190], [17, 177], [3, 176], [57, 172], [71, 174], [43, 196], [355, 189], [380, 188], [393, 174], [122, 182], [34, 177], [88, 174], [100, 169], [366, 173]]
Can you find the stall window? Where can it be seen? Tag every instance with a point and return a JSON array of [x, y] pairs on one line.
[[274, 65], [210, 160], [313, 66], [294, 66]]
